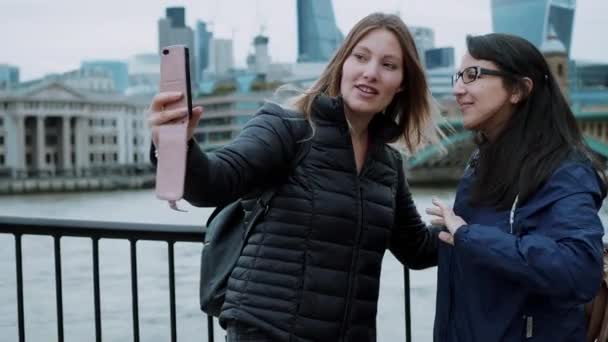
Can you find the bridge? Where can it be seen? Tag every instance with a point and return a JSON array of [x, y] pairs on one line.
[[432, 165]]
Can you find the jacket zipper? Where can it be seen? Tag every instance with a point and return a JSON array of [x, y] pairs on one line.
[[355, 257], [352, 273]]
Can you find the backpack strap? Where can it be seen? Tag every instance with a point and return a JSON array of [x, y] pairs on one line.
[[263, 202]]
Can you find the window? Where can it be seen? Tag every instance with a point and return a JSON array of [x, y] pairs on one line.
[[1, 140], [1, 121], [1, 159], [51, 140], [48, 158], [560, 70]]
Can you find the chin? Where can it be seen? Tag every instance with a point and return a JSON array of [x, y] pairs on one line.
[[362, 108]]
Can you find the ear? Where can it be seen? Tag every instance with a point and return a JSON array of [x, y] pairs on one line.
[[522, 90]]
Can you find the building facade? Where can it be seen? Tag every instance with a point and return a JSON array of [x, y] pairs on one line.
[[318, 34], [54, 129], [424, 37], [118, 70], [9, 76], [203, 45], [172, 30], [439, 58], [533, 19], [225, 117], [222, 55]]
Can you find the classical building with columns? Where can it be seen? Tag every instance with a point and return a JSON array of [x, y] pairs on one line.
[[52, 129]]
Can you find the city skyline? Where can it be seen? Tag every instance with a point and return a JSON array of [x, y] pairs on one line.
[[56, 37]]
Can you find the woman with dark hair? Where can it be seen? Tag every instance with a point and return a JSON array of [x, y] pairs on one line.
[[523, 244], [310, 269]]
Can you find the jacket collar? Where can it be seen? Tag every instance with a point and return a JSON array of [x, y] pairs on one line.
[[327, 108]]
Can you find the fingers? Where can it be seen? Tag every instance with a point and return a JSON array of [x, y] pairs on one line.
[[446, 237], [434, 211], [438, 222], [160, 100], [197, 113], [162, 117], [439, 203]]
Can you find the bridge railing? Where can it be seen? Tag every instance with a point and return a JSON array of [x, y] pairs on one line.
[[132, 232]]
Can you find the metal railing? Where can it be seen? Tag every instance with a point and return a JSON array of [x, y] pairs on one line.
[[132, 232]]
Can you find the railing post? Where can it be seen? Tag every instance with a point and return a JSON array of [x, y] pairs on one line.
[[172, 291], [58, 287], [408, 308], [19, 269], [134, 290], [210, 334], [96, 290]]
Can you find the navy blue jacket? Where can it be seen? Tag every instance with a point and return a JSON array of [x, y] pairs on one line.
[[528, 283]]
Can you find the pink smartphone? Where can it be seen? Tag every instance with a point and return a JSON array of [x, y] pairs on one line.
[[172, 138]]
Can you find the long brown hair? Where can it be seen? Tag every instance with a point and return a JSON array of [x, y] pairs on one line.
[[410, 108]]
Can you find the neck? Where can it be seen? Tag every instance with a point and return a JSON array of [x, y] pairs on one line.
[[357, 124]]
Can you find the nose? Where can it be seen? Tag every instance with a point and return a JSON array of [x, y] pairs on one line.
[[459, 88], [371, 71]]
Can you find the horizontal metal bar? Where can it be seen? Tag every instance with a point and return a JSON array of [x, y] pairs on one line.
[[101, 229]]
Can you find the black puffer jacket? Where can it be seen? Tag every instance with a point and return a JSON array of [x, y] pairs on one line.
[[311, 268]]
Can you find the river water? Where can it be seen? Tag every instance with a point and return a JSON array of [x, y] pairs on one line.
[[142, 206]]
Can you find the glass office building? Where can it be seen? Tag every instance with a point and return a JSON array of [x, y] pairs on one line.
[[118, 70], [318, 35], [439, 58], [533, 19], [9, 76]]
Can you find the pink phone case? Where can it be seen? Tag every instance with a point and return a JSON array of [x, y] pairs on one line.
[[172, 138]]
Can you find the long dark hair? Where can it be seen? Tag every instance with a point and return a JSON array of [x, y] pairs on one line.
[[541, 133]]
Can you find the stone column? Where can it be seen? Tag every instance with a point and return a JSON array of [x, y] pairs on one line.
[[20, 142], [40, 144], [82, 142], [66, 148]]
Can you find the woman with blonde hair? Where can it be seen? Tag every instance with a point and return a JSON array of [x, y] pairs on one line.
[[310, 269]]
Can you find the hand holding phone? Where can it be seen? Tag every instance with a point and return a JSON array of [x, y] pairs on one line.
[[172, 138]]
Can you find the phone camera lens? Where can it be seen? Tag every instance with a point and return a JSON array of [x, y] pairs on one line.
[[165, 51]]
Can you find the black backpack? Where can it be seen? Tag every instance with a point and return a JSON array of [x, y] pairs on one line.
[[228, 229]]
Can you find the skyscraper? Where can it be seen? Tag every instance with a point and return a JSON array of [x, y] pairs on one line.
[[172, 30], [177, 15], [424, 37], [222, 56], [533, 19], [203, 46], [318, 35], [439, 58]]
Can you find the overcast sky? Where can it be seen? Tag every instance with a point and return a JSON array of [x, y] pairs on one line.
[[42, 36]]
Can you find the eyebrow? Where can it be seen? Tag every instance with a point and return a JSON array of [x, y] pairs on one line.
[[368, 50]]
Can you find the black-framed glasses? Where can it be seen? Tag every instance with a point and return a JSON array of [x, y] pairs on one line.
[[472, 73]]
